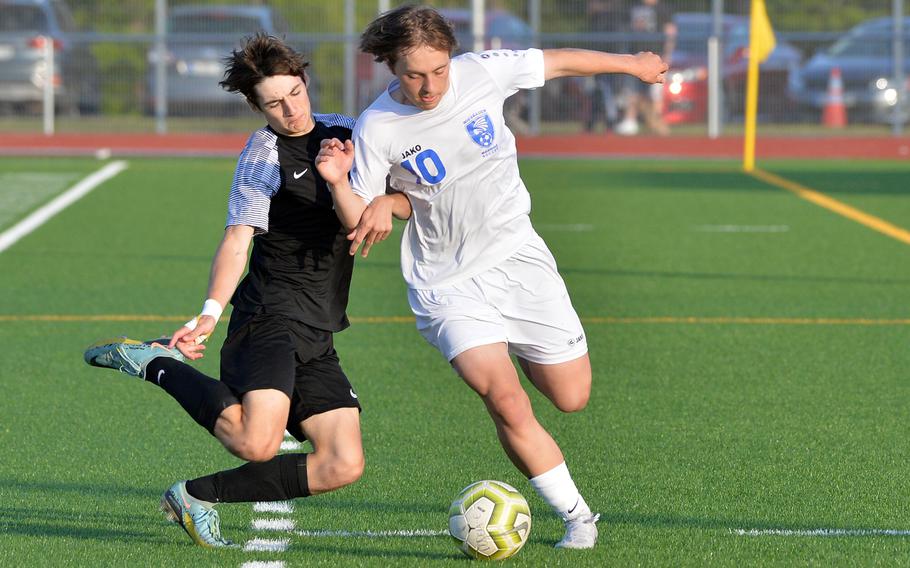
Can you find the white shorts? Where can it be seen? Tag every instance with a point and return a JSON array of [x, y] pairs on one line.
[[522, 302]]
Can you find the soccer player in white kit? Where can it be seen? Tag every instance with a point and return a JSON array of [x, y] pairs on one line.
[[481, 282]]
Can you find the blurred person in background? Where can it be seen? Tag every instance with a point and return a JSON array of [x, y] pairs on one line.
[[644, 100], [601, 102]]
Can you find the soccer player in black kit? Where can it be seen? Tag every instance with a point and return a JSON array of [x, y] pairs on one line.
[[279, 370]]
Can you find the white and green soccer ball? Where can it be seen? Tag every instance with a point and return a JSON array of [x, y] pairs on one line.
[[490, 520]]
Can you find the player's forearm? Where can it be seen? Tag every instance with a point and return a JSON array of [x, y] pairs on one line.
[[645, 65], [570, 62], [229, 263], [348, 205], [401, 206]]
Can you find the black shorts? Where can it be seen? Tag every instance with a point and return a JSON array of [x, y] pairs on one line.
[[274, 352]]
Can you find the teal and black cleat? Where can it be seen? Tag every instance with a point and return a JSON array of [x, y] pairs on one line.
[[198, 518], [128, 355]]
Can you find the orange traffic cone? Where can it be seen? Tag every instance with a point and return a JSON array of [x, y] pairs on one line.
[[835, 113]]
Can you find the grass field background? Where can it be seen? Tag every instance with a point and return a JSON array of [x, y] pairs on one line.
[[749, 348]]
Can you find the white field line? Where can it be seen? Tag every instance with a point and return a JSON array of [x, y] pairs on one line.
[[289, 445], [409, 533], [820, 532], [9, 237], [263, 564], [22, 192], [273, 507], [266, 545], [286, 525], [742, 228]]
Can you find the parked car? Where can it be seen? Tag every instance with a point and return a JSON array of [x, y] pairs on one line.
[[686, 90], [25, 28], [865, 59], [199, 38]]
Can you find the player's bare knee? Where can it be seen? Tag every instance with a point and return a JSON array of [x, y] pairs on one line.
[[351, 469], [252, 454], [229, 424], [261, 455], [253, 449], [346, 469], [573, 402], [511, 409]]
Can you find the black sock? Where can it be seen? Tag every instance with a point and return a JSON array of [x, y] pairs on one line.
[[282, 477], [202, 397]]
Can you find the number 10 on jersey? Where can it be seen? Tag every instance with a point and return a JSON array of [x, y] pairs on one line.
[[418, 165]]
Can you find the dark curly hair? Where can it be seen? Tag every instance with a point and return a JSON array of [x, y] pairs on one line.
[[261, 56]]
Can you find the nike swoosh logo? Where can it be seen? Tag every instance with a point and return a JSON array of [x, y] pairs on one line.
[[353, 394], [300, 175], [575, 506], [158, 378]]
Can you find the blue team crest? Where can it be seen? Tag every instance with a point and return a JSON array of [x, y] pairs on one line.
[[480, 128]]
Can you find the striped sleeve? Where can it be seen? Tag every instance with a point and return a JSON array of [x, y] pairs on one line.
[[256, 180], [335, 120]]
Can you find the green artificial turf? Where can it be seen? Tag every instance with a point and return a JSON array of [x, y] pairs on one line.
[[749, 352]]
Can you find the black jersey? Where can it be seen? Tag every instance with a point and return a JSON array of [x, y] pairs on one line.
[[300, 267]]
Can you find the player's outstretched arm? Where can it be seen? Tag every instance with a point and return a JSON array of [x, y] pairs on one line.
[[568, 62], [227, 269], [334, 161]]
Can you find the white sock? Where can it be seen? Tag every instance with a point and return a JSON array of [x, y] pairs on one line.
[[558, 490]]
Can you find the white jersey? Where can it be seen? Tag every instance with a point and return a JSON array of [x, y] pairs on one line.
[[458, 165]]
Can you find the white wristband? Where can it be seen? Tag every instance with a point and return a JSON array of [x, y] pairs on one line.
[[211, 308]]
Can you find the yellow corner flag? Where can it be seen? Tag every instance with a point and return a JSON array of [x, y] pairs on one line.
[[761, 44], [761, 34]]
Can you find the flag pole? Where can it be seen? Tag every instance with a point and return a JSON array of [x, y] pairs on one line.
[[751, 94], [761, 44]]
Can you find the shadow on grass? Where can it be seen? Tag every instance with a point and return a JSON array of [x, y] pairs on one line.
[[86, 525]]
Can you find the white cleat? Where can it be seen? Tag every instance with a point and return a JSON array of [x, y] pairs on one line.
[[580, 533]]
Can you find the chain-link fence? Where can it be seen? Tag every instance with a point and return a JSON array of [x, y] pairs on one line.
[[154, 65]]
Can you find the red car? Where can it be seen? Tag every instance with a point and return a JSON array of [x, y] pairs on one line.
[[685, 94]]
